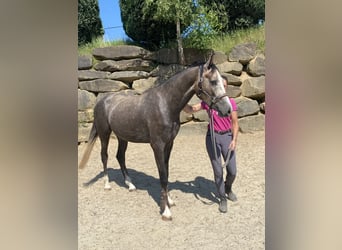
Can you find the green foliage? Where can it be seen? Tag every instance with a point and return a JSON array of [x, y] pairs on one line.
[[89, 22], [171, 10], [205, 26], [141, 27], [153, 22], [241, 13]]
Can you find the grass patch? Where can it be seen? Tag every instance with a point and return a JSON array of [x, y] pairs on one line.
[[86, 49], [226, 42]]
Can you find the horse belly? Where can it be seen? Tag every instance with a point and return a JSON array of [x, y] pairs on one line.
[[132, 136], [130, 127]]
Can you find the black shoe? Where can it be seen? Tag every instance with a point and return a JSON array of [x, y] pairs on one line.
[[223, 206], [231, 196]]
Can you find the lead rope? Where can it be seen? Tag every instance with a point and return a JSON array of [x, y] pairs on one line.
[[211, 125], [212, 133]]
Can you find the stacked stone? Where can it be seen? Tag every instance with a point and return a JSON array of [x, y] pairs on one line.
[[119, 68], [245, 71], [132, 68]]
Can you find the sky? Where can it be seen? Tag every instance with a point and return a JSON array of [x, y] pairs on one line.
[[111, 20]]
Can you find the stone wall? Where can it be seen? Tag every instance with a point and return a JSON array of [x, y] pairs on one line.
[[131, 68]]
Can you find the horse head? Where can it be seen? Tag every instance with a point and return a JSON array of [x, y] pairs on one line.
[[211, 89]]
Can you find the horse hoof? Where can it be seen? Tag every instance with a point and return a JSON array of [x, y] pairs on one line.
[[166, 215], [166, 218], [131, 187], [107, 187]]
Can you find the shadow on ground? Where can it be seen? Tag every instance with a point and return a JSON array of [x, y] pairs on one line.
[[202, 188]]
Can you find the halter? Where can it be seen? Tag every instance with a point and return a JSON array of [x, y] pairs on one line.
[[213, 99]]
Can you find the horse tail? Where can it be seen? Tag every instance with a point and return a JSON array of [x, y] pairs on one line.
[[90, 144]]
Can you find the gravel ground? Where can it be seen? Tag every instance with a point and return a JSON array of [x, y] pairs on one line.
[[119, 219]]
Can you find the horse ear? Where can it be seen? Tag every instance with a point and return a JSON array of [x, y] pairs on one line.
[[210, 60]]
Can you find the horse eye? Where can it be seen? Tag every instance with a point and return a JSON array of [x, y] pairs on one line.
[[213, 82]]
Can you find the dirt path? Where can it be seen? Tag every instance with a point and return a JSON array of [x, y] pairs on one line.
[[119, 219]]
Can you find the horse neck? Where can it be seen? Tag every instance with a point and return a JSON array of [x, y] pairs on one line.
[[180, 90]]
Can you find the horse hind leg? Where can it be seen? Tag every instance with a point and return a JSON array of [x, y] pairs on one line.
[[104, 137], [121, 157]]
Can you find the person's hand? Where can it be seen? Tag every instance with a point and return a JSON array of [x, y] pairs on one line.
[[232, 145]]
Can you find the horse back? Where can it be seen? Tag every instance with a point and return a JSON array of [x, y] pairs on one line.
[[137, 118]]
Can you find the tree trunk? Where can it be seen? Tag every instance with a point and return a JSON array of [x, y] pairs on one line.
[[181, 59]]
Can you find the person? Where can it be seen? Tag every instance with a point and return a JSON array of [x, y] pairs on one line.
[[225, 132]]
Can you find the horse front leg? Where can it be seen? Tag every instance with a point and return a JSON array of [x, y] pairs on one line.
[[168, 149], [161, 154], [121, 157]]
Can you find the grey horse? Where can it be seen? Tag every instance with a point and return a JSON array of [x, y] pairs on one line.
[[153, 117]]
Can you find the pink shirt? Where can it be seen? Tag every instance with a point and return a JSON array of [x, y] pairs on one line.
[[220, 123]]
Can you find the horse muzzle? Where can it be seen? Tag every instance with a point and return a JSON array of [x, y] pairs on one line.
[[222, 105]]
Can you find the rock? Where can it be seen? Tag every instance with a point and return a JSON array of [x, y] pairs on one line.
[[195, 56], [85, 75], [85, 62], [192, 56], [164, 72], [244, 76], [233, 91], [103, 85], [128, 76], [230, 67], [135, 68], [166, 56], [86, 100], [242, 53], [254, 87], [122, 65], [121, 52], [143, 84], [194, 100], [219, 57], [84, 131], [232, 79], [256, 67], [263, 107], [246, 106], [201, 116], [86, 115], [184, 117], [252, 123]]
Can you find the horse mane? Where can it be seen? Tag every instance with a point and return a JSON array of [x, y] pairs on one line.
[[180, 73]]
